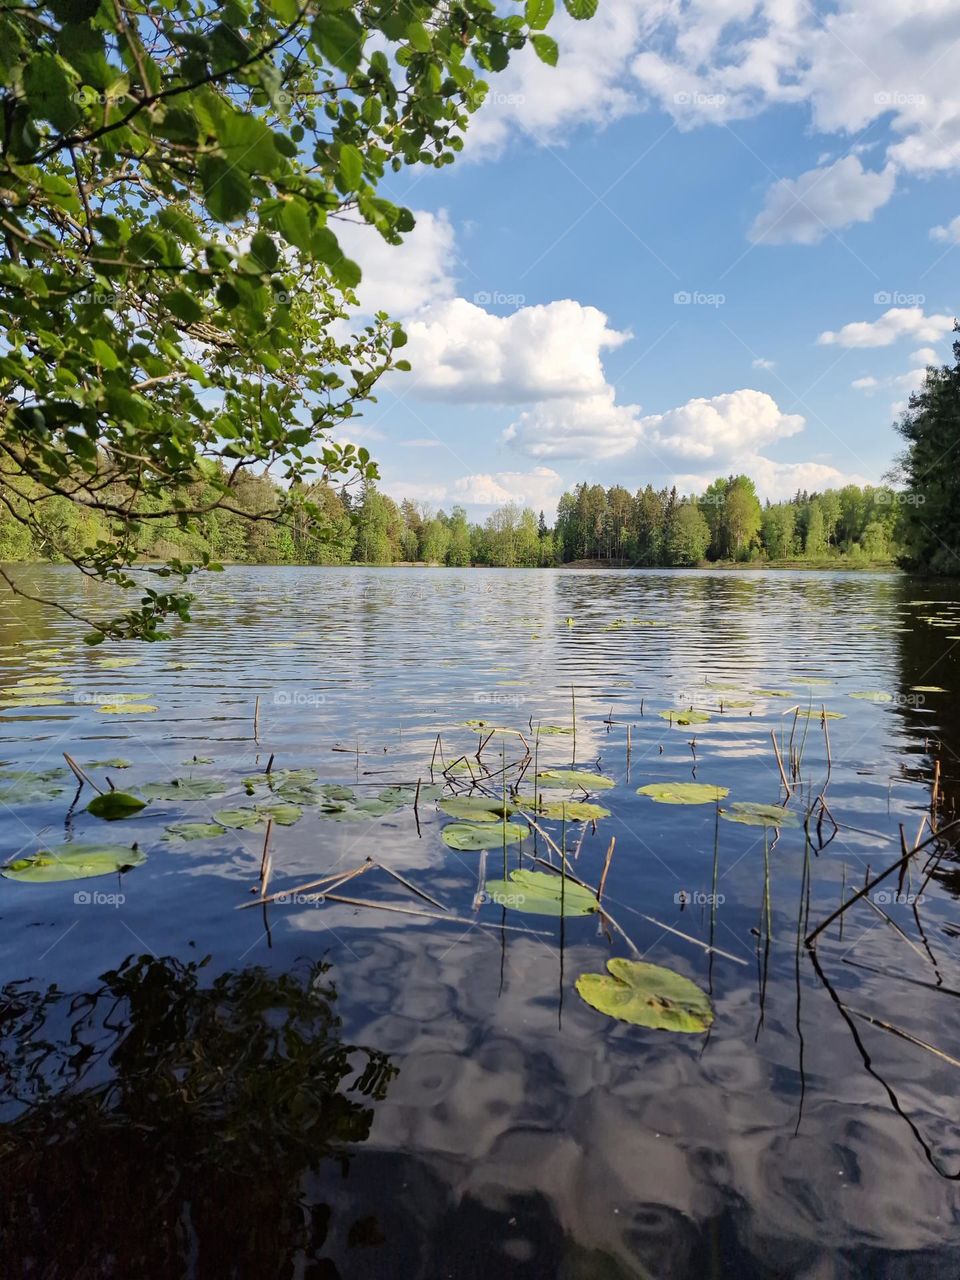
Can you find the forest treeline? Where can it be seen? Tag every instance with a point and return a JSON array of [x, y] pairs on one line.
[[651, 527]]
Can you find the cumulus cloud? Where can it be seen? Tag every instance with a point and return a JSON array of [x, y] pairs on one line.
[[760, 363], [803, 210], [592, 427], [896, 323], [539, 487], [403, 279], [949, 234], [721, 427], [460, 351], [925, 356]]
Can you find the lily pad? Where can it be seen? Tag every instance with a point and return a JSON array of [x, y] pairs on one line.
[[239, 818], [195, 830], [929, 688], [542, 894], [115, 804], [25, 786], [683, 792], [574, 778], [571, 810], [72, 862], [397, 795], [553, 730], [812, 714], [873, 695], [126, 708], [750, 814], [41, 682], [116, 763], [35, 700], [284, 815], [471, 835], [114, 664], [647, 995], [476, 808], [772, 693], [680, 716], [185, 789]]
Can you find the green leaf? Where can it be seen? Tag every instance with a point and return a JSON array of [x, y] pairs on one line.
[[351, 167], [340, 38], [26, 786], [284, 815], [227, 192], [750, 814], [647, 995], [538, 13], [581, 9], [185, 789], [573, 778], [476, 808], [568, 810], [115, 804], [684, 716], [683, 792], [470, 836], [72, 862], [184, 306], [546, 49], [240, 818], [195, 830], [543, 894]]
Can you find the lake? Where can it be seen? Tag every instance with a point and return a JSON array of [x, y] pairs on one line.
[[314, 1088]]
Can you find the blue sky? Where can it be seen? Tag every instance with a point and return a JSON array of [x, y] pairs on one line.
[[718, 236]]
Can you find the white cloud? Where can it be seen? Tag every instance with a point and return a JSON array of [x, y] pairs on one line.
[[721, 427], [897, 322], [803, 210], [777, 480], [538, 487], [949, 234], [461, 352], [864, 384], [925, 356], [592, 427], [760, 363], [402, 279]]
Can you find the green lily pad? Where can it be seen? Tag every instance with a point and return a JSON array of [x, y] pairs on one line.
[[647, 995], [683, 792], [476, 808], [284, 815], [930, 688], [114, 664], [574, 778], [750, 814], [126, 708], [26, 786], [873, 695], [571, 810], [542, 894], [72, 862], [680, 716], [333, 791], [37, 700], [41, 682], [471, 835], [397, 795], [115, 804], [772, 693], [239, 818], [553, 730], [195, 830], [811, 714], [116, 763], [185, 789]]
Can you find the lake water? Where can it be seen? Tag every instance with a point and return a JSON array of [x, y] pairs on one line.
[[320, 1089]]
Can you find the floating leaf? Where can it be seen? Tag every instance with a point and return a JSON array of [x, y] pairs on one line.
[[72, 862], [240, 818], [284, 815], [116, 763], [114, 664], [476, 808], [115, 804], [873, 695], [811, 714], [759, 815], [772, 693], [195, 830], [930, 688], [679, 716], [574, 778], [542, 894], [24, 786], [551, 730], [683, 792], [571, 810], [126, 708], [397, 795], [41, 682], [647, 995], [185, 789], [469, 835]]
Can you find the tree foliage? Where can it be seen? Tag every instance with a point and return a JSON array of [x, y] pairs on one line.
[[171, 176]]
